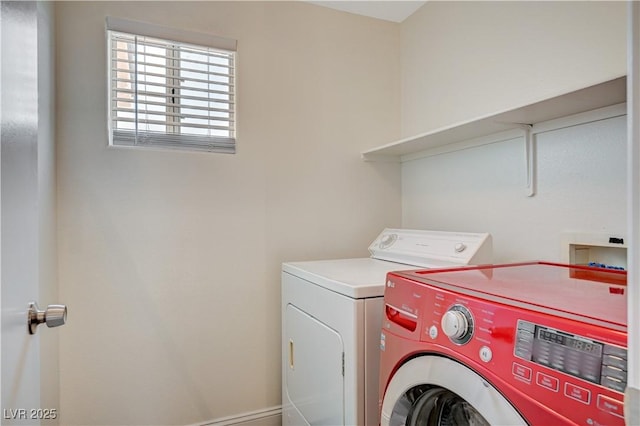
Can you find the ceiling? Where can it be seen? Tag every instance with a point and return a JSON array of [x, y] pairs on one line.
[[395, 11]]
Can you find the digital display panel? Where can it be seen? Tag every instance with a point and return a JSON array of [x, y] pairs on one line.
[[572, 354], [582, 345]]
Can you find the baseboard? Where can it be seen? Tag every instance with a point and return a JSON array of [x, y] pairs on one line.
[[271, 416]]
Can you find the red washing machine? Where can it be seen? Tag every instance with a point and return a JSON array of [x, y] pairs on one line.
[[530, 343]]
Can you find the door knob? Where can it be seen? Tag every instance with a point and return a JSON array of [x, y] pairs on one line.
[[53, 316]]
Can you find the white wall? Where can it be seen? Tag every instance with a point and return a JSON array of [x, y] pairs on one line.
[[462, 60], [170, 261]]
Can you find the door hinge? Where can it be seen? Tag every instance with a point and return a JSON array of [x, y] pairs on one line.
[[342, 364]]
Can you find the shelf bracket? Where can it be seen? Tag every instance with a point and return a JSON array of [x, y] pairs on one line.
[[530, 158]]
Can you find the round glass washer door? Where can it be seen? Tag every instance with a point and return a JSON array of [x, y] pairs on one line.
[[432, 390]]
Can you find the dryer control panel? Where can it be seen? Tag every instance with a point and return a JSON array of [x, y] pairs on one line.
[[432, 249]]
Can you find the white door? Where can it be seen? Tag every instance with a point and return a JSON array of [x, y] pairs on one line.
[[314, 371], [19, 252]]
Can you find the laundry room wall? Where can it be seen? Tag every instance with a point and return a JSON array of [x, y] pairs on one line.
[[463, 60], [170, 261]]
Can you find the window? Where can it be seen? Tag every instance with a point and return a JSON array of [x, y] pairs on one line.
[[169, 93]]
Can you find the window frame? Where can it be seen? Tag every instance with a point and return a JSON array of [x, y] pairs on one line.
[[171, 137]]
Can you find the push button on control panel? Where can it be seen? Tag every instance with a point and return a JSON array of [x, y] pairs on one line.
[[433, 331], [485, 354], [611, 406], [521, 372], [548, 382], [614, 368], [524, 340], [577, 393], [613, 383]]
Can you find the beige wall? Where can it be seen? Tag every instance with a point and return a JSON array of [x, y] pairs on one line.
[[170, 261], [581, 187], [463, 60]]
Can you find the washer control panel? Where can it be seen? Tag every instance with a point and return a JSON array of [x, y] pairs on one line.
[[572, 354], [577, 370]]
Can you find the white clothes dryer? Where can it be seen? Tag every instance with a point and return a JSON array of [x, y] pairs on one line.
[[331, 318]]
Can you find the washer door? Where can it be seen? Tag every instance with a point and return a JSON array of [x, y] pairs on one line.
[[432, 390]]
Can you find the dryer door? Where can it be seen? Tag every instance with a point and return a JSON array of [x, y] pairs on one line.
[[432, 390], [314, 371]]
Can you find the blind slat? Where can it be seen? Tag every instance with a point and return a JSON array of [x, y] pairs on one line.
[[177, 96], [209, 53], [182, 77], [175, 56], [161, 104], [157, 42], [229, 66], [143, 122], [177, 114], [175, 86], [204, 143]]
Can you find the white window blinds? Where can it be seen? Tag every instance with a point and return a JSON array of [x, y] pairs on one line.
[[170, 93]]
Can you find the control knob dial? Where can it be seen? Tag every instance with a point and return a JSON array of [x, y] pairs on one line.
[[460, 247], [457, 324]]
